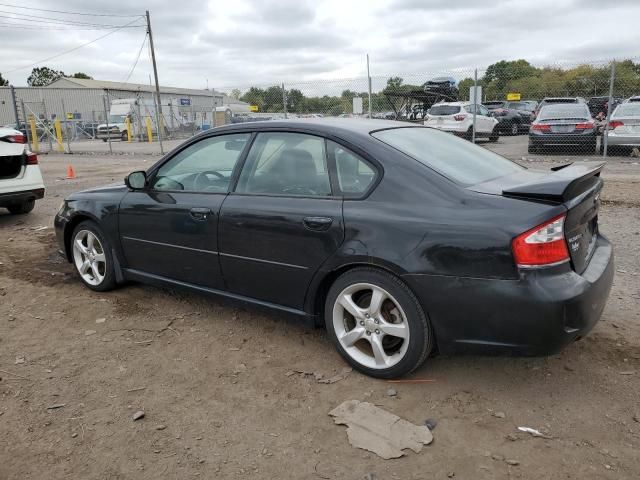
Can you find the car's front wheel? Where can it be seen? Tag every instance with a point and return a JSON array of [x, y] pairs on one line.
[[377, 323], [92, 257]]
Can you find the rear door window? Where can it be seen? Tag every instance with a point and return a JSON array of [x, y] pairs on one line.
[[283, 163]]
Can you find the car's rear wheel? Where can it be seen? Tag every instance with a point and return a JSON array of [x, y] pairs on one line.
[[515, 128], [124, 136], [377, 323], [22, 208], [92, 257]]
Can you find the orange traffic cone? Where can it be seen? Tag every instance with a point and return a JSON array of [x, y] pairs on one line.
[[71, 174]]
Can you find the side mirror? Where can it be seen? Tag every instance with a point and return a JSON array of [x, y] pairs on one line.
[[136, 180]]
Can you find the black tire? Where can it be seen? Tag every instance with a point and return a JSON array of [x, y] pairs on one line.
[[514, 129], [124, 136], [420, 333], [104, 140], [469, 134], [22, 208], [533, 149], [109, 281], [495, 134]]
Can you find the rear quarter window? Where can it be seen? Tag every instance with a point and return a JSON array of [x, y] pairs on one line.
[[457, 159]]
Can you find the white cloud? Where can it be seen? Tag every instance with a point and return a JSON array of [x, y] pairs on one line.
[[261, 42]]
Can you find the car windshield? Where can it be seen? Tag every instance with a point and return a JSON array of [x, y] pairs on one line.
[[459, 160], [559, 100], [491, 105], [116, 118], [628, 109], [444, 110], [564, 110]]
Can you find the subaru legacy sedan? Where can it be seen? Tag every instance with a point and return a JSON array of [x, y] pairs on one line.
[[401, 240]]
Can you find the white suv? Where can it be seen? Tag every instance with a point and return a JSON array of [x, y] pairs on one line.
[[21, 182], [457, 118]]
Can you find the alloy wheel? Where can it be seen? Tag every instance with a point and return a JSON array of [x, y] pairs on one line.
[[371, 326], [89, 257]]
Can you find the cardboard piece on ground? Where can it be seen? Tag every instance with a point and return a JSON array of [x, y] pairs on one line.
[[383, 433]]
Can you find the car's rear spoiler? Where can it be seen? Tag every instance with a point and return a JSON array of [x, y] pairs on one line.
[[560, 186]]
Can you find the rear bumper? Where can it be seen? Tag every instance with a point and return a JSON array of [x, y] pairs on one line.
[[578, 139], [16, 198], [623, 140], [536, 314]]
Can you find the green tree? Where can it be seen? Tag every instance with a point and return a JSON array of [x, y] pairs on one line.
[[236, 93], [296, 101], [43, 76], [81, 75], [254, 96], [3, 82]]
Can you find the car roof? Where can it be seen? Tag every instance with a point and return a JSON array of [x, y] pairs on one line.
[[456, 104], [360, 126]]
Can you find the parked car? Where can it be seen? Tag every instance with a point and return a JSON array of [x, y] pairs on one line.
[[553, 100], [21, 182], [565, 124], [510, 120], [400, 239], [457, 118], [528, 106], [633, 99], [601, 105], [624, 127]]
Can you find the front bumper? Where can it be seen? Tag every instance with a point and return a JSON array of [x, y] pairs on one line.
[[536, 314]]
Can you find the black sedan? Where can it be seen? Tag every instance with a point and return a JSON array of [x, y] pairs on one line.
[[402, 240], [510, 120], [564, 125]]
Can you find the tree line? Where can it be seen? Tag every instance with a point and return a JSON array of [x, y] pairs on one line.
[[499, 79]]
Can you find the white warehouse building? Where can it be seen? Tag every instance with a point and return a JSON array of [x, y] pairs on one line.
[[85, 100]]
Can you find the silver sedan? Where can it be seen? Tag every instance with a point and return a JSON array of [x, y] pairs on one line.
[[624, 126]]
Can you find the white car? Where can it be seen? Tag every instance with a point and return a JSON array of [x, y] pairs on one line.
[[457, 118], [21, 182]]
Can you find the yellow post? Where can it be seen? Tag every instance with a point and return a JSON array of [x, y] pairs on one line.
[[149, 130], [56, 125], [34, 134], [127, 122]]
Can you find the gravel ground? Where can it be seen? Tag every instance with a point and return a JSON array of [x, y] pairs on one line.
[[219, 398]]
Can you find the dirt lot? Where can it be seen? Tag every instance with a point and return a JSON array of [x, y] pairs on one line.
[[213, 380]]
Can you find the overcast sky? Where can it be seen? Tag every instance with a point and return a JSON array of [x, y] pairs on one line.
[[259, 42]]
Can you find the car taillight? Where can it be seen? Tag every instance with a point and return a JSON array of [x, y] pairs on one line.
[[459, 118], [543, 127], [15, 138], [542, 245], [32, 158], [615, 124], [584, 126]]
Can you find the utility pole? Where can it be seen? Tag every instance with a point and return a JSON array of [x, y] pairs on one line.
[[605, 135], [475, 104], [155, 74]]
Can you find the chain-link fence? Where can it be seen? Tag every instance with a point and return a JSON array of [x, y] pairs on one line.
[[584, 109]]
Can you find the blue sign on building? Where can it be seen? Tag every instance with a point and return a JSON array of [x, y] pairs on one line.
[[185, 101]]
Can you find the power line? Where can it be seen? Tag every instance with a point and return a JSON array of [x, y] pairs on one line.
[[41, 19], [137, 58], [71, 50], [26, 26], [68, 13]]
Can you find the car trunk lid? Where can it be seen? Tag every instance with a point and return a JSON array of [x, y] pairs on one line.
[[575, 186]]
